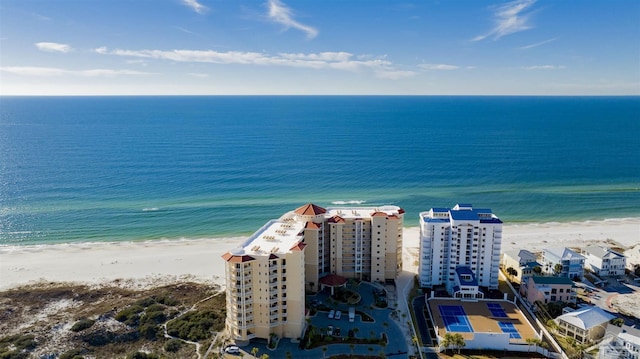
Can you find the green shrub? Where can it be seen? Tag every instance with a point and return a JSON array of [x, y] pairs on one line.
[[82, 324], [141, 355], [149, 331], [145, 302], [130, 315], [195, 325], [173, 345], [72, 354], [167, 300], [156, 307], [153, 317]]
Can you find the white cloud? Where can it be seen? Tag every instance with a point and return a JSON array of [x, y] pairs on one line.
[[545, 67], [53, 71], [53, 47], [200, 75], [509, 18], [196, 6], [394, 75], [282, 14], [343, 61], [538, 44], [438, 67]]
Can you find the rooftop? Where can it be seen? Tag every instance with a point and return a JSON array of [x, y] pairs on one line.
[[602, 252], [564, 253], [586, 318], [363, 212], [275, 237], [551, 280]]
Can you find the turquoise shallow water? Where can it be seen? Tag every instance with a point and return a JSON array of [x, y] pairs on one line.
[[137, 168]]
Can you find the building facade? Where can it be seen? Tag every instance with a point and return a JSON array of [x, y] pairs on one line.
[[571, 262], [548, 290], [522, 261], [459, 236], [604, 262], [268, 275], [584, 325], [620, 343]]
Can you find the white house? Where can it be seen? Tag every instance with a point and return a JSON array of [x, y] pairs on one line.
[[620, 343], [604, 262], [572, 262], [584, 325]]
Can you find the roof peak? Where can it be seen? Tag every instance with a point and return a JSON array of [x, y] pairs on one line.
[[310, 209]]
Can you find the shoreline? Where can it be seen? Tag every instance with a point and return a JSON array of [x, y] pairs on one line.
[[141, 264]]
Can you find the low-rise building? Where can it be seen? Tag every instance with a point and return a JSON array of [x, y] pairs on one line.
[[604, 261], [570, 263], [548, 290], [522, 261], [620, 343], [584, 325]]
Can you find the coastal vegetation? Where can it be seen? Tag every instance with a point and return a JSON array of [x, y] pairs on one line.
[[77, 321]]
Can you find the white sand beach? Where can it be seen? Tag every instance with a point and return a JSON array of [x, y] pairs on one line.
[[143, 264]]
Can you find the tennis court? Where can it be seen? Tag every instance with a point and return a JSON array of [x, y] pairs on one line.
[[496, 310], [509, 328], [455, 319]]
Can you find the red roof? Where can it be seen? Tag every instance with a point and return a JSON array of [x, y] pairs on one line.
[[336, 219], [401, 211], [312, 225], [236, 259], [378, 214], [298, 246], [310, 209], [333, 280]]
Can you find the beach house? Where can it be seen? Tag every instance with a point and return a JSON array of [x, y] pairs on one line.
[[563, 262], [522, 261], [620, 343], [584, 325], [461, 236], [604, 261], [548, 290]]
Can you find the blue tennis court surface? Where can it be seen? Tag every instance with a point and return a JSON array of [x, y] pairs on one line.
[[509, 328], [496, 310], [455, 319]]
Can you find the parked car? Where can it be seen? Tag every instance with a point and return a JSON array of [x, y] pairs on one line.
[[338, 315], [337, 332], [232, 349], [330, 330], [332, 313]]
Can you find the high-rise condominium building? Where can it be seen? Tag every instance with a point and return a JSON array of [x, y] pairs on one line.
[[268, 275], [459, 237]]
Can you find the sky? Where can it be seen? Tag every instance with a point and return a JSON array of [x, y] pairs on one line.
[[329, 47]]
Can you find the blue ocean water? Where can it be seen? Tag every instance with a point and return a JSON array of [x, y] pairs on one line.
[[141, 168]]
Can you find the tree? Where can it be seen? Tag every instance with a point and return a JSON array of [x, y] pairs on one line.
[[458, 341], [264, 356], [254, 352], [537, 270], [447, 341], [324, 351], [557, 268], [617, 321], [530, 342], [512, 272], [352, 347]]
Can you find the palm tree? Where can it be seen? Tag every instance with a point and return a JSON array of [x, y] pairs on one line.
[[458, 341], [264, 356], [254, 352], [289, 355], [530, 342], [557, 268], [447, 341], [537, 270], [352, 347], [512, 272], [324, 351]]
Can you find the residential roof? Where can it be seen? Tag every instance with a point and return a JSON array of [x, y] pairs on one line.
[[310, 209], [564, 253], [551, 280], [586, 318], [333, 280], [464, 215], [602, 252]]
